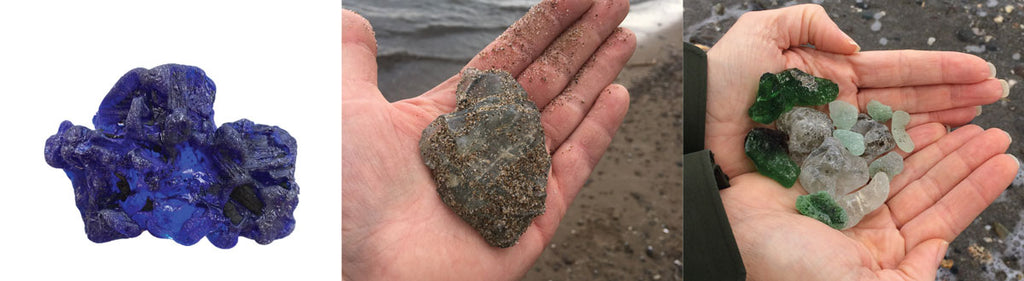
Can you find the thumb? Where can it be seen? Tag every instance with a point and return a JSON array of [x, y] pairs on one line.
[[923, 260], [810, 24], [358, 56]]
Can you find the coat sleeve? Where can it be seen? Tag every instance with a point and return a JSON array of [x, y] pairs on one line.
[[709, 247]]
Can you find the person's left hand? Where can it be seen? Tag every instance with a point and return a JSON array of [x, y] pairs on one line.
[[395, 227]]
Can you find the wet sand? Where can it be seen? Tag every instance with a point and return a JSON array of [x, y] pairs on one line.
[[626, 222], [985, 28]]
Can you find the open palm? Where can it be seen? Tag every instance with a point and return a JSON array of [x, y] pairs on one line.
[[948, 180], [395, 227]]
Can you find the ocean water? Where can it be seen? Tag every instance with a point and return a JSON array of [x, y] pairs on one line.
[[422, 43]]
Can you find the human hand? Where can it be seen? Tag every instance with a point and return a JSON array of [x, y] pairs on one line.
[[946, 183], [932, 86], [395, 227]]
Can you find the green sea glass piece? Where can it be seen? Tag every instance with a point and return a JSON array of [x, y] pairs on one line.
[[822, 207], [770, 153], [843, 114], [891, 164], [779, 92], [853, 141], [878, 111], [900, 119]]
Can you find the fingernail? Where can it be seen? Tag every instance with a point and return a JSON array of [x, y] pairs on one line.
[[855, 45], [979, 110], [1016, 159], [948, 128], [942, 252], [1008, 135], [1006, 88], [991, 70]]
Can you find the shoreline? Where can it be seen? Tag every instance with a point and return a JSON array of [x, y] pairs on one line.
[[657, 36]]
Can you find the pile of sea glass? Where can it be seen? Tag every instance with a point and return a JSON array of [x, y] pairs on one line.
[[843, 159]]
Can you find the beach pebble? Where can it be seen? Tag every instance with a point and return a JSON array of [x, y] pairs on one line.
[[861, 4], [946, 263], [967, 36], [1018, 70], [1000, 229], [719, 9]]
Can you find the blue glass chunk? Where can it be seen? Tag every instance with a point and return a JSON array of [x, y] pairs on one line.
[[157, 162]]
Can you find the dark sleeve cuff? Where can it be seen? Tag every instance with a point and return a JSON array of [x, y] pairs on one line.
[[710, 247], [695, 88]]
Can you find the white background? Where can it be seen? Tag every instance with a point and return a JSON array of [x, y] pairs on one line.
[[273, 63]]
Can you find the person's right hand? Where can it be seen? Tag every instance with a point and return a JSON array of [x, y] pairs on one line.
[[947, 181]]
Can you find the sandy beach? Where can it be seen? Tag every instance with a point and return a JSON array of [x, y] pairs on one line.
[[626, 222]]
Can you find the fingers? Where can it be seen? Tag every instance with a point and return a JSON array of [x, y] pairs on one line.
[[810, 24], [572, 163], [963, 204], [566, 111], [921, 261], [523, 43], [954, 167], [923, 136], [952, 117], [359, 54], [914, 167], [527, 38], [886, 69], [930, 98], [800, 25], [549, 74]]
